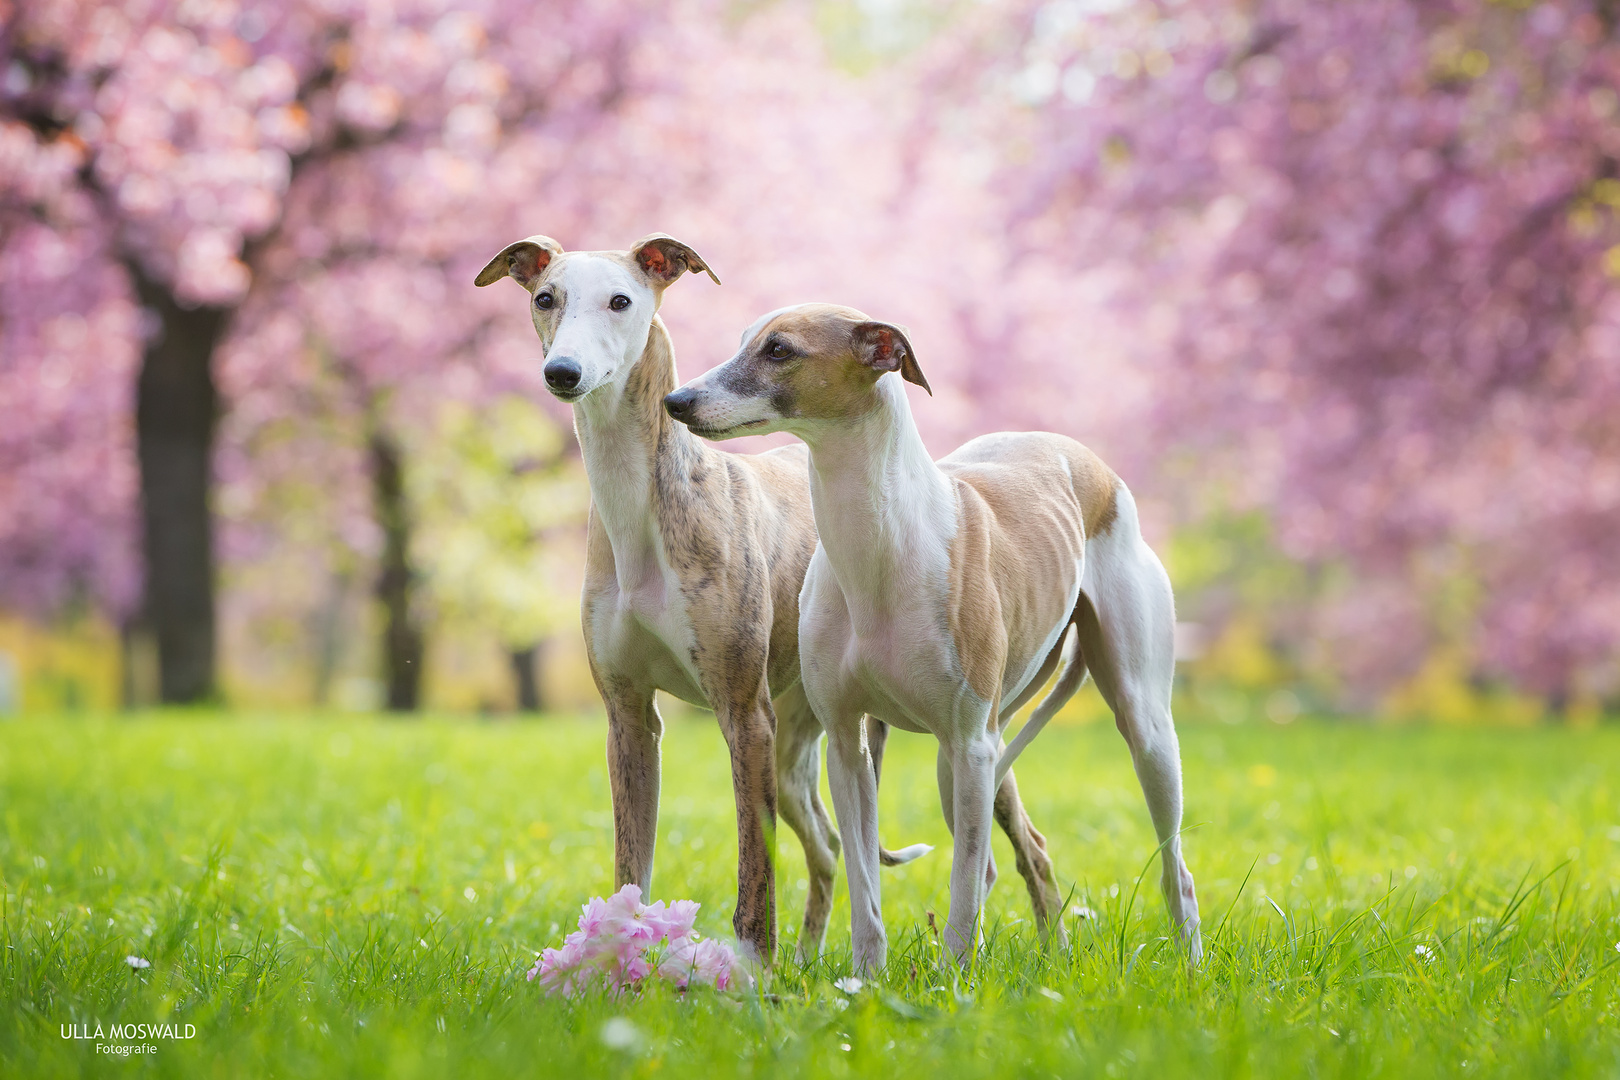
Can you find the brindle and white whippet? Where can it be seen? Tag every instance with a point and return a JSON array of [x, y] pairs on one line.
[[942, 595], [694, 563]]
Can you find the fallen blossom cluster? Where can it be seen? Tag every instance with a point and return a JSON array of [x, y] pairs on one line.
[[621, 942]]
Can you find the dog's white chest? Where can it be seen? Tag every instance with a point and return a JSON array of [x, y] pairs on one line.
[[882, 660], [638, 626], [900, 675]]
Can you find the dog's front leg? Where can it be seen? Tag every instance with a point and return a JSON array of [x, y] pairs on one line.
[[750, 730], [854, 791], [973, 774], [634, 732]]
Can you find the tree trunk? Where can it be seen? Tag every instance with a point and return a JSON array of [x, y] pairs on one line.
[[526, 677], [175, 411], [402, 640]]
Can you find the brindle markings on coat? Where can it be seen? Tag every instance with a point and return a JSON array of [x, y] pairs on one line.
[[733, 535]]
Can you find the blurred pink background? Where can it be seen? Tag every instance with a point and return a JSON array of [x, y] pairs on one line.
[[1332, 286]]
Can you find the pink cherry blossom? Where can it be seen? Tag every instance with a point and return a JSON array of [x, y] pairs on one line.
[[676, 919], [1364, 261], [627, 919], [706, 960], [621, 942]]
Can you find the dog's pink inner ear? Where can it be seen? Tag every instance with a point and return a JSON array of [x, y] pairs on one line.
[[654, 261], [883, 349], [523, 261], [664, 259], [529, 261], [880, 348]]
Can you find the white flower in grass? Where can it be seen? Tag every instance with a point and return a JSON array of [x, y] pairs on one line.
[[136, 963], [1424, 953], [1617, 946], [620, 1034], [1081, 911], [849, 984]]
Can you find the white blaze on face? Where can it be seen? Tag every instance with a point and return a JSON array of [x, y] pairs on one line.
[[604, 343]]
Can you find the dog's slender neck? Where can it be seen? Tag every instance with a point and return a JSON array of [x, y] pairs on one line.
[[877, 496], [628, 441]]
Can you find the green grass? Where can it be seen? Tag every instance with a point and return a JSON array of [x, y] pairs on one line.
[[341, 897]]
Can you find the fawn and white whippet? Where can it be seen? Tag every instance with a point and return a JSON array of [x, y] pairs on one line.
[[694, 561], [942, 595]]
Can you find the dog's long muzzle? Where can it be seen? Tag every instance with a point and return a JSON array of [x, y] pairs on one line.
[[681, 403]]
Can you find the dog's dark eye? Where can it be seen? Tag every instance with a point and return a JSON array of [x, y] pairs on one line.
[[543, 301], [619, 302], [778, 351]]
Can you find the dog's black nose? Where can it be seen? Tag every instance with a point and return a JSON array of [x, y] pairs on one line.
[[679, 404], [562, 373]]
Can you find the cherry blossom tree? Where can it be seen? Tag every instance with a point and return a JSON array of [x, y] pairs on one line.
[[1366, 254], [267, 217], [1349, 266], [176, 175]]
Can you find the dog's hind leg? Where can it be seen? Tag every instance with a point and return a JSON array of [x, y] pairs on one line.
[[798, 785], [1029, 846], [1127, 633], [1034, 864], [877, 737]]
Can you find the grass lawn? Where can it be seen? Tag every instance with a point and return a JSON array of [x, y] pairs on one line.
[[363, 897]]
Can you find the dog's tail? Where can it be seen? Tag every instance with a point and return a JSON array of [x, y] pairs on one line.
[[904, 855], [1070, 677]]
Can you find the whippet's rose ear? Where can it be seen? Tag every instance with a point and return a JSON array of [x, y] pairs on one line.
[[523, 261], [664, 258], [885, 347]]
